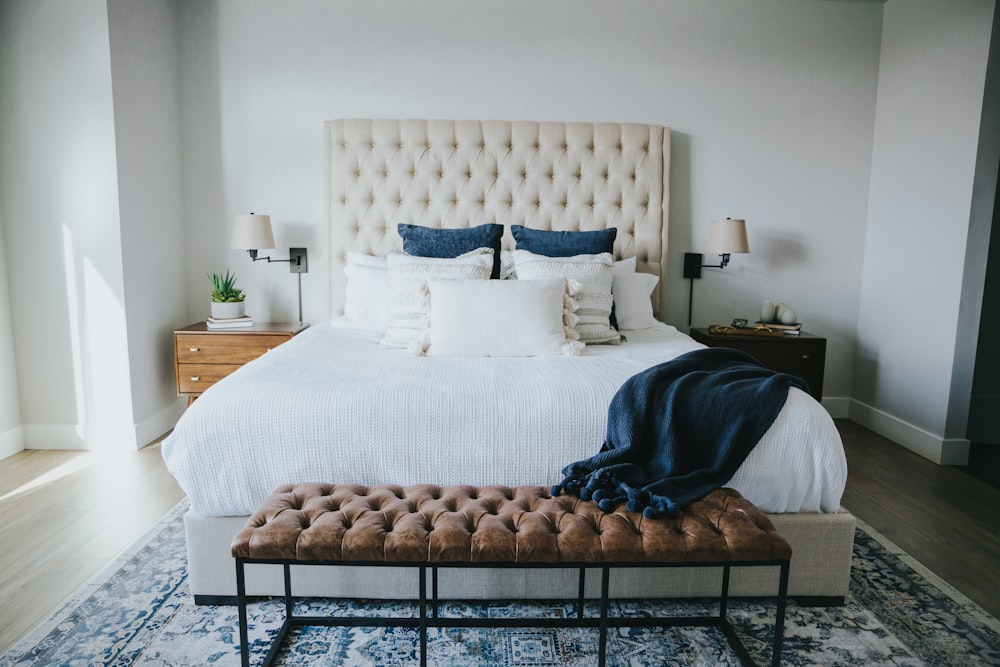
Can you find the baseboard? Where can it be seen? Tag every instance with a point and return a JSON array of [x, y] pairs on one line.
[[945, 451], [54, 436], [838, 406], [11, 442], [51, 436], [151, 428]]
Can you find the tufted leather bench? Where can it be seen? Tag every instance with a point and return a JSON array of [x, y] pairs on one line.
[[432, 527]]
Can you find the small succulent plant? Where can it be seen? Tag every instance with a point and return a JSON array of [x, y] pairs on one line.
[[224, 288]]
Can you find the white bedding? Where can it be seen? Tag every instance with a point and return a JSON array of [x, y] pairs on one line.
[[331, 405]]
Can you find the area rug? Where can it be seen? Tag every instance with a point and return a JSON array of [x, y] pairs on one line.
[[139, 612]]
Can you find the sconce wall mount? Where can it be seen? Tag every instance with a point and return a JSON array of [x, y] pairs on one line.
[[725, 237], [252, 232]]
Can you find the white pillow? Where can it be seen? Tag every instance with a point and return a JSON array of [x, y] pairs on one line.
[[409, 304], [594, 275], [501, 318], [626, 265], [366, 297], [633, 304], [507, 271]]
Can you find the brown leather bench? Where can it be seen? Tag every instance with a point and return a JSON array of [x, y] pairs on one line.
[[432, 527]]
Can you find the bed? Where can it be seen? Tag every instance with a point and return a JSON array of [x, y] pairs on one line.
[[333, 405]]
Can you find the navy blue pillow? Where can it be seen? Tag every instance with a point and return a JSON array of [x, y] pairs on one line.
[[567, 244], [564, 244], [447, 243]]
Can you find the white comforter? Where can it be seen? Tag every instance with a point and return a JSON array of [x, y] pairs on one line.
[[331, 405]]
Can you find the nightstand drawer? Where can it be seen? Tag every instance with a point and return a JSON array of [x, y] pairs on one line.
[[203, 356], [223, 349], [786, 355], [196, 378], [803, 355]]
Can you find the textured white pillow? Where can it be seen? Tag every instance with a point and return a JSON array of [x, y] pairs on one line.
[[501, 318], [507, 271], [594, 275], [633, 304], [366, 302], [409, 304]]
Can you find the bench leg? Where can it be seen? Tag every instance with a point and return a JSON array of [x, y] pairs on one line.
[[423, 612], [779, 618], [288, 591], [434, 592], [583, 586], [724, 600], [602, 650], [241, 600]]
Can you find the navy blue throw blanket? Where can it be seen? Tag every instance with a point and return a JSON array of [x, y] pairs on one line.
[[678, 430]]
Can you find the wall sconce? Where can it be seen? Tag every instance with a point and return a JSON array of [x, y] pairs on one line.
[[252, 232], [725, 238]]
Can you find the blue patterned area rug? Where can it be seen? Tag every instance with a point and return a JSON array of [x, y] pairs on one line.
[[138, 612]]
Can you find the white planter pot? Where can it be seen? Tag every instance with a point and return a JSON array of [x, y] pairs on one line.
[[228, 310]]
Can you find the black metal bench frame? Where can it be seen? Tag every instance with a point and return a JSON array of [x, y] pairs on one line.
[[423, 621]]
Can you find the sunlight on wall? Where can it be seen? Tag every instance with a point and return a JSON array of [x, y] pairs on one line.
[[100, 355], [74, 332], [110, 388]]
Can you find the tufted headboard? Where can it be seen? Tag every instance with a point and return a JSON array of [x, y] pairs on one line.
[[447, 173]]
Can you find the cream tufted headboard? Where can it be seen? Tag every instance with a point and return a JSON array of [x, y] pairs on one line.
[[447, 173]]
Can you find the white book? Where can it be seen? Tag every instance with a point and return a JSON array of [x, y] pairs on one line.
[[236, 324]]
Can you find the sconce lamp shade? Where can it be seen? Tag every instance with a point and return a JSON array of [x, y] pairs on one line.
[[727, 236], [252, 232]]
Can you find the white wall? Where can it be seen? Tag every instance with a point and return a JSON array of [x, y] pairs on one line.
[[11, 439], [922, 282], [59, 191], [771, 104], [145, 75]]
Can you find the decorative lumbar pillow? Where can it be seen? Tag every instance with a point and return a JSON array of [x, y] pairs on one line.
[[409, 300], [594, 273], [501, 318], [632, 300], [564, 244], [448, 243], [366, 299]]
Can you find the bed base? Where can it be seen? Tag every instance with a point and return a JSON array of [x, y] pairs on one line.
[[819, 575]]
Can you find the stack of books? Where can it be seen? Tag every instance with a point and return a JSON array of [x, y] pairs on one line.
[[229, 323], [784, 328]]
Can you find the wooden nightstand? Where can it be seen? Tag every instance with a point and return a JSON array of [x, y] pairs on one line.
[[203, 356], [802, 354]]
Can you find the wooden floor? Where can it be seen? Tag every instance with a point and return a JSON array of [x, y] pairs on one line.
[[65, 515], [943, 517]]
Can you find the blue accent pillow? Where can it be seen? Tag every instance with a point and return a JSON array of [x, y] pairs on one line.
[[564, 244], [448, 243], [567, 244]]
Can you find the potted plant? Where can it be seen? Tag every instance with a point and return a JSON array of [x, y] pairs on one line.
[[227, 299]]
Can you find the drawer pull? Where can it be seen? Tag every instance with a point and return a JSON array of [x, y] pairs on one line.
[[194, 349], [807, 356], [195, 379]]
